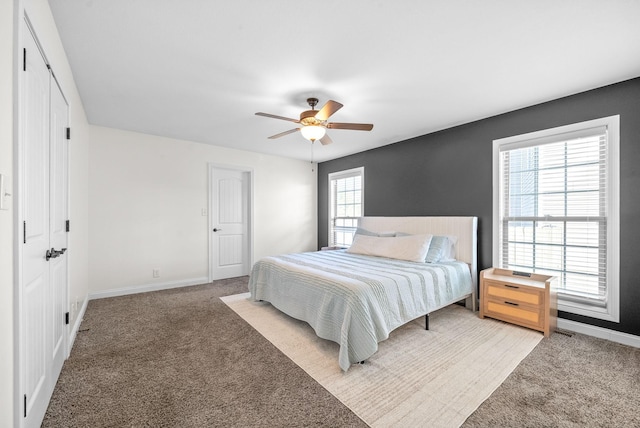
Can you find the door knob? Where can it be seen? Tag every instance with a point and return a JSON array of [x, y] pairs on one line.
[[216, 230], [53, 253]]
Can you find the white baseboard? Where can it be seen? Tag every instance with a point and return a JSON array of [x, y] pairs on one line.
[[147, 287], [602, 333], [76, 327]]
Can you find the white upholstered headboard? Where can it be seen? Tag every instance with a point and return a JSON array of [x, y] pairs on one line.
[[465, 228]]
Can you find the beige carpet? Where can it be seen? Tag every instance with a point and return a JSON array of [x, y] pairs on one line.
[[417, 377]]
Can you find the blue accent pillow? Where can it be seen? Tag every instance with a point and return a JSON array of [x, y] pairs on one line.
[[437, 249]]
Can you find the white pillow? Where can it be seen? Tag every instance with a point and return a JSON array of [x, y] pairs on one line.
[[441, 249], [412, 248], [361, 231]]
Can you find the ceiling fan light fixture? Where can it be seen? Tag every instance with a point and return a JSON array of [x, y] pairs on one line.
[[313, 132]]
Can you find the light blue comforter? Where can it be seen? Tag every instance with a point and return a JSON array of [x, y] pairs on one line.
[[355, 300]]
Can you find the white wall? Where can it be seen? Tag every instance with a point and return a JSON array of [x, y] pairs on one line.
[[146, 198], [6, 217]]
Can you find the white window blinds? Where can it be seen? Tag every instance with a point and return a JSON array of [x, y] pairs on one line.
[[346, 205], [555, 212]]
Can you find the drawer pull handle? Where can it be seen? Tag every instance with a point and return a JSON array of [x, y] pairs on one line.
[[512, 304], [511, 286]]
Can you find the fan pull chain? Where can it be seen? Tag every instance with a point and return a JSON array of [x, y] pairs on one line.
[[312, 155]]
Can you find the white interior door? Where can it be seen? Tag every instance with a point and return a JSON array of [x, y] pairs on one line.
[[230, 220], [35, 285], [44, 188], [58, 216]]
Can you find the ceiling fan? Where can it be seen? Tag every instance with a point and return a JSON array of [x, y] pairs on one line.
[[314, 122]]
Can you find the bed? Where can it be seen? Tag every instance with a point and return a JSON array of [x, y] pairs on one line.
[[357, 300]]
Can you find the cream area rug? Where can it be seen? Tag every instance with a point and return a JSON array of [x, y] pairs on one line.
[[434, 378]]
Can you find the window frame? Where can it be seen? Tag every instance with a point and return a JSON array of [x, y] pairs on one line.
[[611, 310], [353, 172]]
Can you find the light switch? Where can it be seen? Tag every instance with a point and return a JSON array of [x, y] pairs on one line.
[[4, 192]]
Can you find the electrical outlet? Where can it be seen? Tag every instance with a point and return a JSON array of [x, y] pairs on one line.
[[156, 273], [204, 212]]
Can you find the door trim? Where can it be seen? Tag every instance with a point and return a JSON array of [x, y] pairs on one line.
[[210, 167]]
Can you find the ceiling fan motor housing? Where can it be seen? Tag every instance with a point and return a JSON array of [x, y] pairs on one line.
[[309, 118]]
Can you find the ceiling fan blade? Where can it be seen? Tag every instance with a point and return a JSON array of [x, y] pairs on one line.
[[353, 126], [328, 109], [326, 140], [282, 134], [273, 116]]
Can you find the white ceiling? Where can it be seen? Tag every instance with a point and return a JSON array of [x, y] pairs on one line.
[[198, 70]]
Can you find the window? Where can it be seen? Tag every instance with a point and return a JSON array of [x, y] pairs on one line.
[[556, 211], [346, 205]]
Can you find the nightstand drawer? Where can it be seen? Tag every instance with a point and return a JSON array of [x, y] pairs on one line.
[[514, 293], [526, 315]]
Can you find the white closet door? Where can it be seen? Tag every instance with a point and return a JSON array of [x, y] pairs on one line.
[[34, 296], [58, 216]]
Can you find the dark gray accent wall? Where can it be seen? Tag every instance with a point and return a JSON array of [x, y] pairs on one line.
[[449, 173]]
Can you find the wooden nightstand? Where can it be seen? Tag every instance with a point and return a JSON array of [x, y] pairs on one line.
[[528, 300]]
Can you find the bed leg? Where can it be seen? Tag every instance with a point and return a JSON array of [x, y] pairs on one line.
[[426, 322]]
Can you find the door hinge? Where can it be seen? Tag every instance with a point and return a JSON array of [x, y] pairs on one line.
[[24, 59], [68, 225], [24, 232], [66, 318], [25, 405], [68, 133]]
